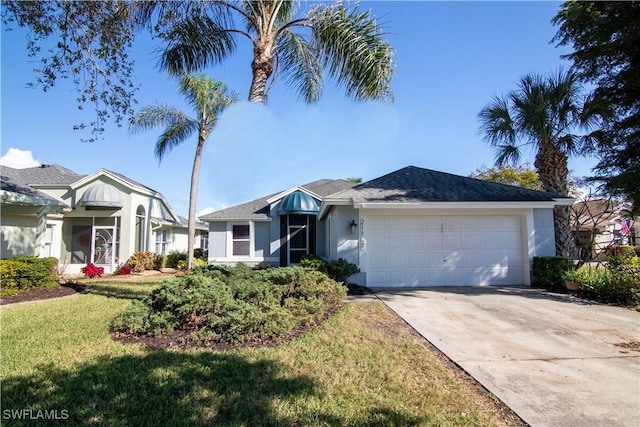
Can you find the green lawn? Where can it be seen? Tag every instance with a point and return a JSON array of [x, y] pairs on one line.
[[362, 367]]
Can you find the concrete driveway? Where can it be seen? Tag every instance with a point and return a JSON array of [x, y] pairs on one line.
[[553, 359]]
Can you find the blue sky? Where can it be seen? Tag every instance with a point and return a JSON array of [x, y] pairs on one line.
[[451, 58]]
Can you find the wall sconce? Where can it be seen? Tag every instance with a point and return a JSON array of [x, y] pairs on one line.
[[353, 227]]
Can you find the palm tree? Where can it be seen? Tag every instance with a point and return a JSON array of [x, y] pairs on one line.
[[345, 42], [544, 113], [209, 98]]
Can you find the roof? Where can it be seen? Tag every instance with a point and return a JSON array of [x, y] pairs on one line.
[[300, 203], [259, 209], [596, 213], [14, 192], [417, 185], [42, 175]]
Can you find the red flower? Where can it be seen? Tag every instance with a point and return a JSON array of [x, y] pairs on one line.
[[91, 270]]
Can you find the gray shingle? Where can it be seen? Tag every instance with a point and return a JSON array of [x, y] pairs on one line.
[[259, 208], [42, 175], [415, 185]]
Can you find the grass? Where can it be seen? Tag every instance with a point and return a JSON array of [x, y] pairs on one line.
[[362, 367]]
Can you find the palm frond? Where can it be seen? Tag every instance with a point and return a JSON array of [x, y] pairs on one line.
[[178, 126], [174, 134], [496, 124], [352, 47], [507, 154], [302, 69], [196, 43], [207, 96]]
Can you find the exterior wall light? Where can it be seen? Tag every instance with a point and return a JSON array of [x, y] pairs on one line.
[[353, 227]]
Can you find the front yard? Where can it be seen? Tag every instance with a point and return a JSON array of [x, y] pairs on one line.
[[361, 367]]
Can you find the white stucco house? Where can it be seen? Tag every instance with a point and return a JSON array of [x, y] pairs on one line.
[[413, 227], [100, 218]]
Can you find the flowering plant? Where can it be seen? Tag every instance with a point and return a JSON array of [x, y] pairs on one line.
[[91, 270], [124, 270]]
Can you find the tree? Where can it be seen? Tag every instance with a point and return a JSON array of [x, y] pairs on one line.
[[92, 40], [605, 37], [209, 99], [520, 176], [355, 179], [544, 113]]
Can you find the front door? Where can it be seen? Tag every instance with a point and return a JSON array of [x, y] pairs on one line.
[[298, 243], [103, 245]]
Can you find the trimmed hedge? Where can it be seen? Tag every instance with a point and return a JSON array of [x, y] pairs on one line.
[[22, 273], [548, 271], [233, 305]]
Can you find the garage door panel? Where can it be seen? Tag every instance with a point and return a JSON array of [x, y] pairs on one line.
[[444, 251]]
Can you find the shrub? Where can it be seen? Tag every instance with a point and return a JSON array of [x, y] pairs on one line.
[[159, 261], [234, 305], [313, 262], [141, 261], [340, 269], [548, 271], [91, 270], [617, 255], [22, 273], [174, 257], [198, 264], [124, 270]]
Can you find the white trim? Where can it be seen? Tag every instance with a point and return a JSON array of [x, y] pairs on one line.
[[229, 241], [455, 205], [293, 190], [235, 218], [143, 190]]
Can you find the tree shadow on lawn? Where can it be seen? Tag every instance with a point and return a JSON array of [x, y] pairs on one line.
[[122, 292], [167, 388]]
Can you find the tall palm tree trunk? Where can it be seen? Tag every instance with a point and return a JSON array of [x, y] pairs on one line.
[[551, 164], [261, 68], [193, 197]]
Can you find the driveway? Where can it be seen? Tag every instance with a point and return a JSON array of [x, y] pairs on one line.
[[553, 359]]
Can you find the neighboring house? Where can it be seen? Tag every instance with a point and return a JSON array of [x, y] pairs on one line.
[[598, 224], [101, 218], [411, 227]]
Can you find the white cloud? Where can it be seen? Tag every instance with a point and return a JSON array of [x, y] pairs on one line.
[[19, 159], [205, 211]]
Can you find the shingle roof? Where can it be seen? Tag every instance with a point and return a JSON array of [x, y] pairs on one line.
[[415, 185], [259, 208], [42, 175], [9, 184]]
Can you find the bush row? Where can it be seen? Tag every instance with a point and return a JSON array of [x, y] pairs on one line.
[[233, 304], [617, 282], [339, 270], [22, 273]]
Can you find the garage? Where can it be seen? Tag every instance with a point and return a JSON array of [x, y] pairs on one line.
[[443, 250], [418, 227]]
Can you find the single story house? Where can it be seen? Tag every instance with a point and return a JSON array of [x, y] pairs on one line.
[[599, 223], [100, 218], [413, 227]]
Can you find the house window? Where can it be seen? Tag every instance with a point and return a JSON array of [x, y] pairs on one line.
[[162, 239], [241, 240], [204, 243], [141, 229]]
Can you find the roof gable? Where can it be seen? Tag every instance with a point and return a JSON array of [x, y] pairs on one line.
[[417, 185], [259, 209]]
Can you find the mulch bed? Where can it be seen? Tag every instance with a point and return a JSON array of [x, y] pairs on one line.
[[46, 293]]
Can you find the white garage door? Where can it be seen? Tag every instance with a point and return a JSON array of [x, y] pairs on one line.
[[443, 250]]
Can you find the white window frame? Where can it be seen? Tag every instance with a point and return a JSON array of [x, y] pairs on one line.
[[251, 241]]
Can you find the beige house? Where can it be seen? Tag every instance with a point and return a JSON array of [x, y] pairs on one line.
[[100, 218], [599, 223]]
